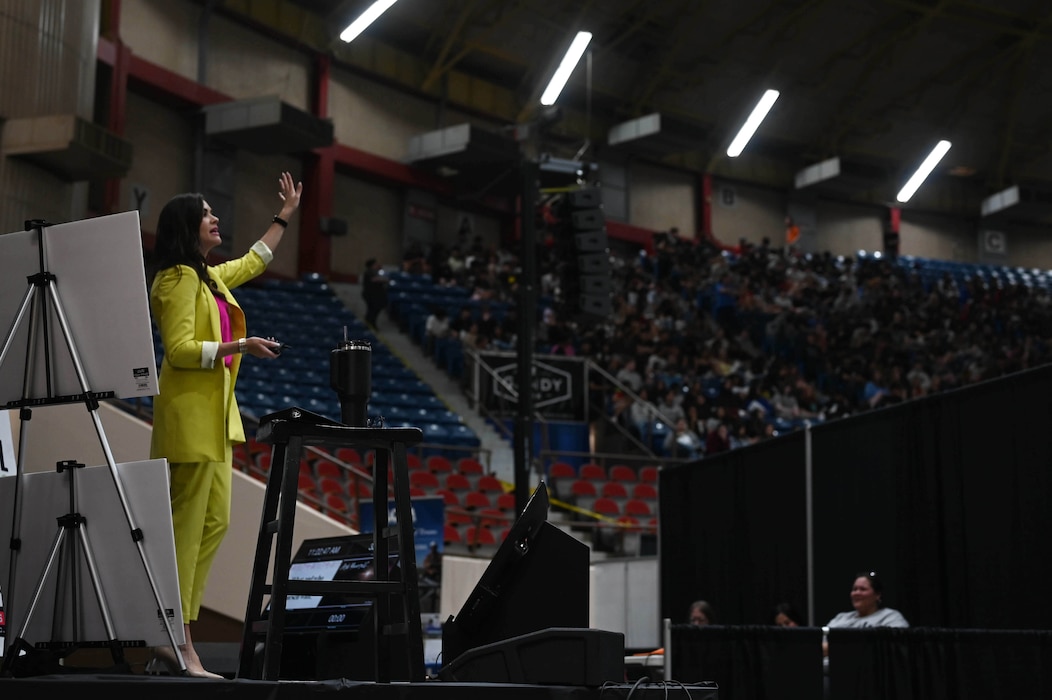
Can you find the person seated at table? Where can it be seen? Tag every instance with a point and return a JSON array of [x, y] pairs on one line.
[[700, 613], [867, 601], [785, 615]]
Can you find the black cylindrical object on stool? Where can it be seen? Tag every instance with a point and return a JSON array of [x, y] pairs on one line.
[[351, 375]]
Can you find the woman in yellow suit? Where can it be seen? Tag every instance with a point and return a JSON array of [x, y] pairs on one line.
[[196, 419]]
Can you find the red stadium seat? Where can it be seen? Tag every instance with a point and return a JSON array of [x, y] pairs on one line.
[[361, 486], [438, 464], [307, 483], [624, 473], [328, 468], [645, 491], [492, 518], [489, 484], [649, 474], [469, 466], [561, 470], [327, 484], [476, 500], [349, 455], [592, 471], [335, 503], [560, 476], [582, 487], [262, 460], [614, 489], [583, 493], [456, 516], [606, 506], [506, 501], [479, 537], [449, 497], [457, 482], [629, 523], [425, 480], [638, 508]]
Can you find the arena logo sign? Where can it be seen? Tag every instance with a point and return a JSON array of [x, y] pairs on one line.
[[550, 385]]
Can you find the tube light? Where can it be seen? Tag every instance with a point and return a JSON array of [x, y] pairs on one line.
[[562, 73], [365, 19], [923, 171], [752, 123]]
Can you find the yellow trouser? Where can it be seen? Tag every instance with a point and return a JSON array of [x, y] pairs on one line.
[[200, 518]]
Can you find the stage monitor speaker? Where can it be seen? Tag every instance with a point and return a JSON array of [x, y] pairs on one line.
[[555, 656], [536, 587]]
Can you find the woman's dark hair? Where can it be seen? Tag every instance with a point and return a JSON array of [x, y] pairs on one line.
[[788, 610], [178, 239], [874, 582], [703, 606]]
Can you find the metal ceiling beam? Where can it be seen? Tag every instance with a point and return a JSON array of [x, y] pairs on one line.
[[659, 72], [990, 17], [469, 15], [849, 106], [1027, 48], [452, 35]]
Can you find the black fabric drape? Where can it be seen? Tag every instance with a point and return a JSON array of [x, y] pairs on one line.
[[751, 662], [939, 664], [738, 534], [944, 497]]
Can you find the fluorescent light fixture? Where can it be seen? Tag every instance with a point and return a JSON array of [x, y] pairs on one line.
[[752, 123], [365, 19], [562, 73], [923, 171]]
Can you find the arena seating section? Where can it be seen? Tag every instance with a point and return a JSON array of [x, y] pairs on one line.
[[308, 315]]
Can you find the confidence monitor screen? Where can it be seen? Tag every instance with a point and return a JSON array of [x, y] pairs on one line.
[[345, 558]]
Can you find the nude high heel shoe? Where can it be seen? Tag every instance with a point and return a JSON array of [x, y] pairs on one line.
[[164, 659]]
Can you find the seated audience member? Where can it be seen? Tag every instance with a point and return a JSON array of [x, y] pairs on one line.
[[700, 613], [641, 416], [684, 443], [785, 615], [435, 327], [868, 607], [669, 407], [630, 376], [869, 611]]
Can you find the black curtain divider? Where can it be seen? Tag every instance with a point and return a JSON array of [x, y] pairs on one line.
[[752, 662], [939, 664], [739, 538], [944, 497]]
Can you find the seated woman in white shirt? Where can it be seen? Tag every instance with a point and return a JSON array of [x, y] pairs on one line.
[[867, 600]]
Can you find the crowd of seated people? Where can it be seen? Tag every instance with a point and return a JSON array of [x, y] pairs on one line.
[[746, 344]]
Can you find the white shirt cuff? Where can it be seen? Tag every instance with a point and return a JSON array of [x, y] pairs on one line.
[[264, 252], [209, 350]]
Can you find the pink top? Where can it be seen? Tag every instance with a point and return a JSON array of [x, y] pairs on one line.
[[224, 326]]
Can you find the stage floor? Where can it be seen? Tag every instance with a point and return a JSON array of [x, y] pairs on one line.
[[136, 687]]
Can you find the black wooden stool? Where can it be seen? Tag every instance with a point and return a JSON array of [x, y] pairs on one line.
[[290, 431]]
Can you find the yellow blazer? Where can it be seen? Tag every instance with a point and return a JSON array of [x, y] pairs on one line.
[[195, 412]]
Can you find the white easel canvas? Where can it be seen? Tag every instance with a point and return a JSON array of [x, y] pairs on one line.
[[123, 579], [100, 281]]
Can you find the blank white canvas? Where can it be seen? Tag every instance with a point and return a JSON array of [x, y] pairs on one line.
[[125, 585], [100, 283]]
